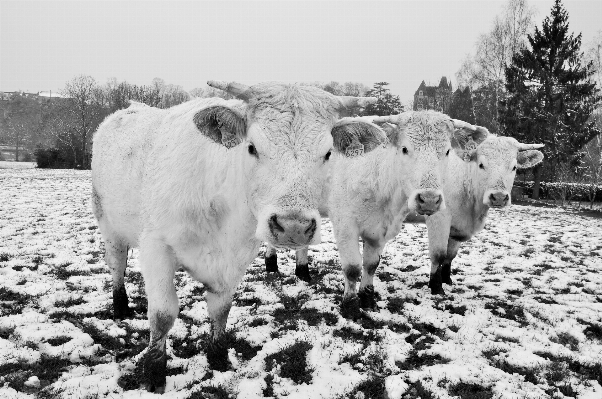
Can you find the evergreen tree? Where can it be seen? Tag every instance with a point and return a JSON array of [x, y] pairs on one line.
[[387, 103], [550, 93], [462, 106]]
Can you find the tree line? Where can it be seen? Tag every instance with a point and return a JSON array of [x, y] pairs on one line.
[[535, 83], [57, 131]]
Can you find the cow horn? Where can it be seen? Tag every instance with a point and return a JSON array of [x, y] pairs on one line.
[[395, 119], [238, 90], [458, 124], [523, 147], [351, 101]]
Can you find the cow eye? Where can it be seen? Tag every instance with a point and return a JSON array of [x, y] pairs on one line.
[[447, 153], [404, 150], [327, 156], [481, 166], [252, 150], [514, 168]]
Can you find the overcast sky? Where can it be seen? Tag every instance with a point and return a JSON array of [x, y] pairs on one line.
[[44, 44]]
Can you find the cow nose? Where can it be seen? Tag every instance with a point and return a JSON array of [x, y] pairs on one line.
[[292, 230], [498, 199], [428, 202]]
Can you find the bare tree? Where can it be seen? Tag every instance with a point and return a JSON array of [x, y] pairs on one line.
[[594, 54], [593, 159], [484, 72], [21, 121], [83, 113]]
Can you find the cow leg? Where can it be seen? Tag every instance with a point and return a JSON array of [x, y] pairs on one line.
[[158, 270], [452, 250], [218, 307], [438, 227], [116, 254], [352, 272], [371, 260], [302, 267], [271, 259]]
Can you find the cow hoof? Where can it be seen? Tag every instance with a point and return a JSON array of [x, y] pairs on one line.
[[447, 280], [121, 309], [217, 356], [154, 388], [350, 308], [367, 298], [271, 264], [302, 271], [437, 290], [154, 370]]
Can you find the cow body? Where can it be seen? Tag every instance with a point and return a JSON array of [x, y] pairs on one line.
[[201, 185], [370, 198], [471, 190]]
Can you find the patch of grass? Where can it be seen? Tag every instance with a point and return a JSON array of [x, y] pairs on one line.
[[470, 391], [507, 311], [58, 341], [456, 309], [12, 302], [4, 256], [372, 388], [567, 340], [293, 362], [593, 331], [350, 334], [268, 391], [515, 291], [185, 348], [418, 390], [530, 374], [395, 305], [67, 303], [416, 360], [48, 370], [258, 321]]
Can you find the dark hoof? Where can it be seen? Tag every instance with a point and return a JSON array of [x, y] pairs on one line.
[[302, 271], [447, 280], [435, 284], [367, 298], [217, 356], [121, 309], [350, 308], [154, 370], [271, 264], [446, 274]]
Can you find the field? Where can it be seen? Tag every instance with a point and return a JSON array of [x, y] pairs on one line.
[[523, 320]]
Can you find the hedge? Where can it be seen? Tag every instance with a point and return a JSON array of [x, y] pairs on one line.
[[574, 191]]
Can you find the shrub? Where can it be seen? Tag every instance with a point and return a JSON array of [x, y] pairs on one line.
[[573, 191], [49, 158]]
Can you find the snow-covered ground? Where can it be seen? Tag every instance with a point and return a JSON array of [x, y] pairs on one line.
[[523, 320]]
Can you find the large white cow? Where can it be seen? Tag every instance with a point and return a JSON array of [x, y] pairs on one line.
[[202, 184], [370, 198], [472, 189]]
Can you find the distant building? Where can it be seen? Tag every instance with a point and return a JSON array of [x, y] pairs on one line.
[[434, 97]]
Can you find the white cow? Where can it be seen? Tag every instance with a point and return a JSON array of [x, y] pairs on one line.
[[472, 189], [370, 198], [202, 184]]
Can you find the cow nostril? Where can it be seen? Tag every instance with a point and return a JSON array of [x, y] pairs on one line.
[[439, 200], [275, 225], [506, 198], [312, 227], [419, 198], [492, 198]]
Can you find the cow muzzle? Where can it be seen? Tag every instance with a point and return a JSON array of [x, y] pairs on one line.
[[293, 230], [497, 199], [428, 202]]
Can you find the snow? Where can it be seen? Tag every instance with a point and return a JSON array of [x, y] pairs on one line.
[[523, 319]]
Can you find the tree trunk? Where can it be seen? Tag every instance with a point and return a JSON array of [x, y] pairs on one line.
[[536, 182], [17, 151]]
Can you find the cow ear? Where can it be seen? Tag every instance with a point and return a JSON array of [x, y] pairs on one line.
[[353, 137], [528, 159], [466, 138], [222, 125]]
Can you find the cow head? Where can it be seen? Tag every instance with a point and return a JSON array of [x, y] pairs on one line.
[[284, 137], [496, 160], [423, 140]]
